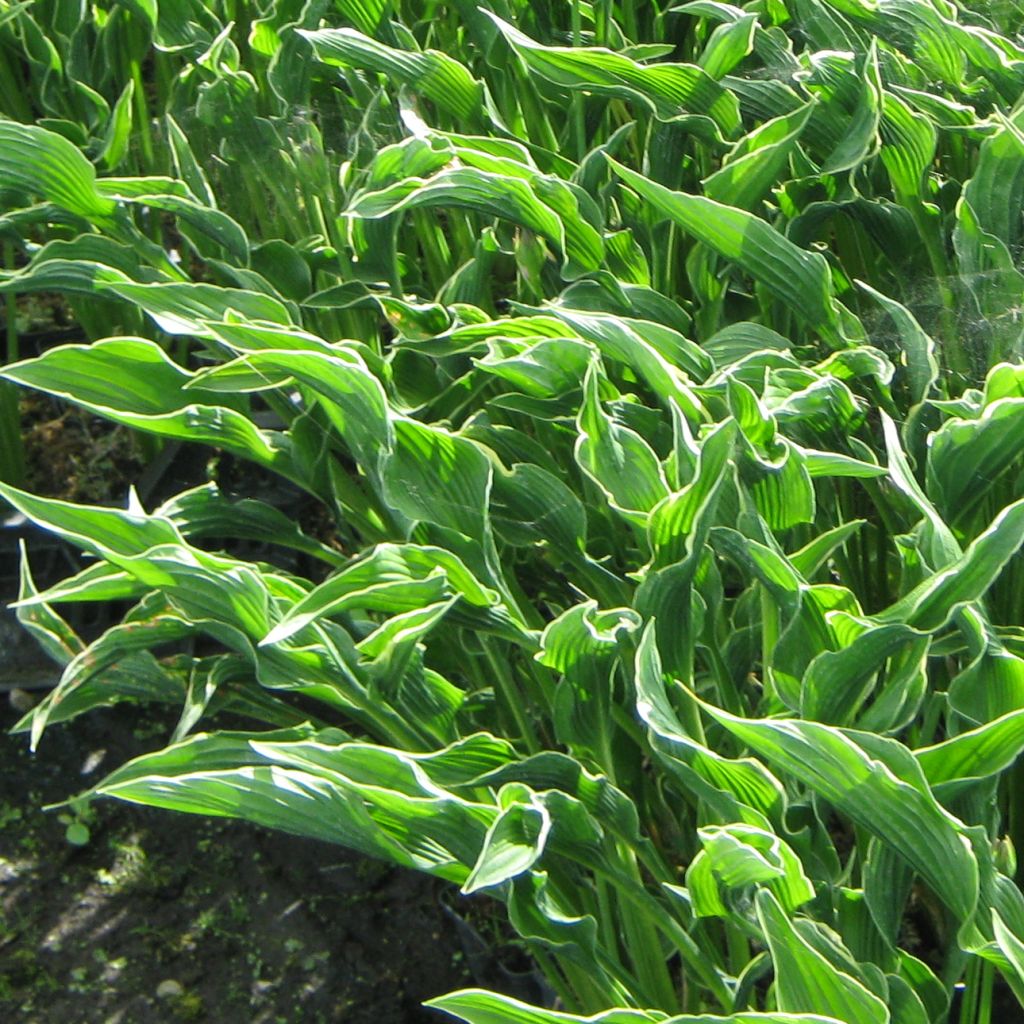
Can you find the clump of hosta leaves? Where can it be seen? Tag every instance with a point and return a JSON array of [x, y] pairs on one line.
[[657, 374]]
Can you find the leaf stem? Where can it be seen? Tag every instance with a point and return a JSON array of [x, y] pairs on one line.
[[578, 112], [12, 453], [511, 696]]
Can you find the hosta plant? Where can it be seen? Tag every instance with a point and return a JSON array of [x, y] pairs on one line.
[[657, 373]]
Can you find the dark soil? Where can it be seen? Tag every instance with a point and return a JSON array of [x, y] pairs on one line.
[[75, 455]]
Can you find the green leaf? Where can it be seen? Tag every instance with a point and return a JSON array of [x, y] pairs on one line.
[[610, 807], [391, 578], [439, 77], [976, 754], [799, 278], [545, 205], [351, 396], [833, 464], [366, 15], [742, 855], [80, 266], [617, 459], [513, 844], [225, 232], [917, 350], [992, 282], [836, 683], [996, 190], [119, 128], [887, 880], [943, 547], [101, 531], [810, 558], [990, 686], [77, 834], [435, 476], [966, 457], [478, 1007], [531, 504], [45, 164], [679, 523], [757, 161], [805, 981], [185, 308], [205, 511], [132, 381], [1012, 948], [739, 790], [186, 167], [336, 793], [859, 140], [731, 344], [51, 632], [549, 368], [878, 785], [582, 644], [908, 147], [667, 90], [929, 606], [393, 641], [729, 43], [658, 355], [97, 582]]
